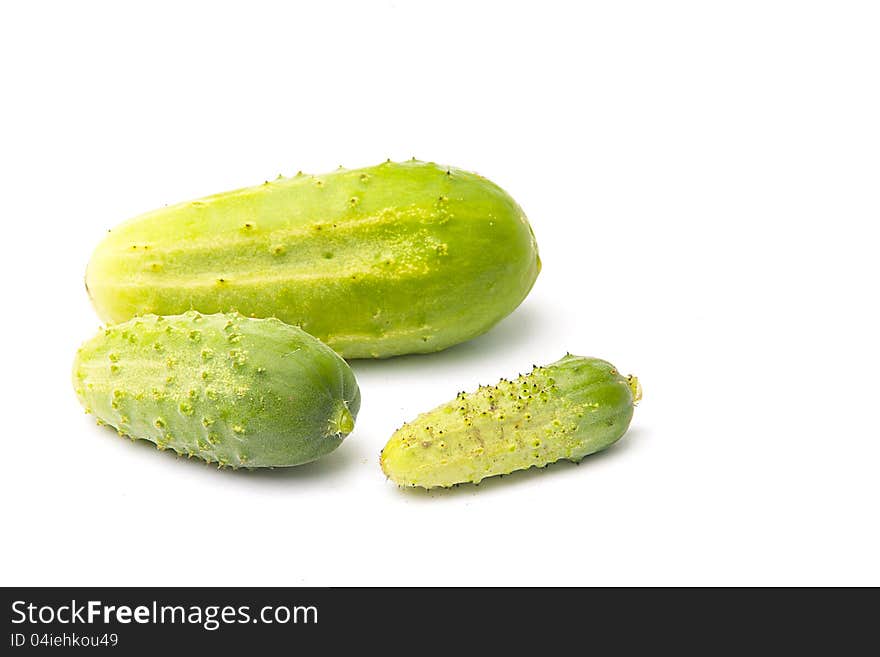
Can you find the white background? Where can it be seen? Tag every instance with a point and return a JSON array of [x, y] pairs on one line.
[[702, 178]]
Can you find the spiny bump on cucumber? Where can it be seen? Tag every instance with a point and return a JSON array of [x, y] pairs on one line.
[[562, 411], [236, 391]]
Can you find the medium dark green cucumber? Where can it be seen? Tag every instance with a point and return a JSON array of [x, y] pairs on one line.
[[230, 390]]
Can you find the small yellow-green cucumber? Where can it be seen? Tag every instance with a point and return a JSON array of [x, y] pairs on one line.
[[227, 389], [565, 410], [398, 258]]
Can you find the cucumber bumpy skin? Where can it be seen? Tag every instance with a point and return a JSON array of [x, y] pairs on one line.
[[565, 410], [393, 259], [230, 390]]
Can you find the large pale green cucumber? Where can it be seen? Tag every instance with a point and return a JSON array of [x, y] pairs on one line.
[[566, 410], [392, 259], [224, 388]]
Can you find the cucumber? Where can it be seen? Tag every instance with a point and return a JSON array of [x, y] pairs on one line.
[[566, 410], [393, 259], [229, 390]]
